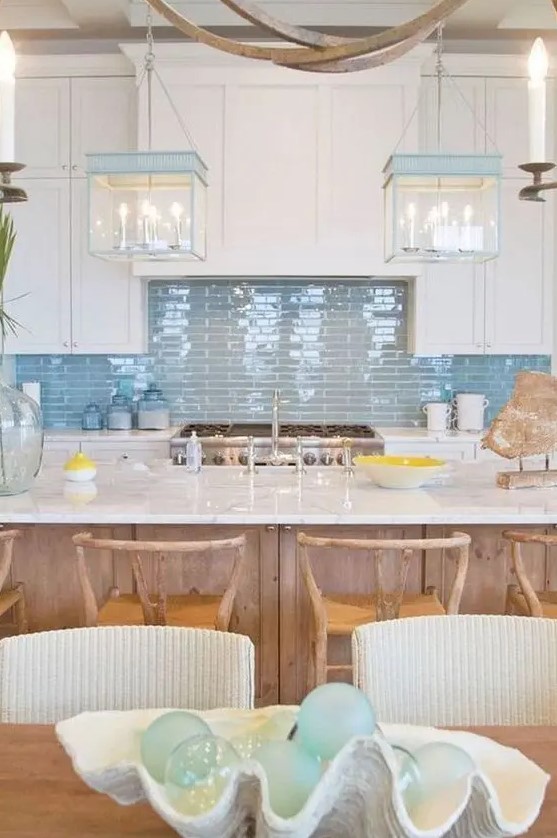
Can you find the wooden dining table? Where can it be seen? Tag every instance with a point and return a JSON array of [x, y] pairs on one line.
[[40, 795]]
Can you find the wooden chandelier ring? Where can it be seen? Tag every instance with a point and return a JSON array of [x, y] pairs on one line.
[[361, 62], [297, 34], [418, 27]]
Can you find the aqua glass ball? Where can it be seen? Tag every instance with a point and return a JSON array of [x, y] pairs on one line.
[[292, 774], [198, 771], [330, 716], [164, 735], [436, 766]]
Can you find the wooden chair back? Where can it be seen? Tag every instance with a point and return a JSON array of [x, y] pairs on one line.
[[387, 603], [7, 538], [517, 538], [154, 604]]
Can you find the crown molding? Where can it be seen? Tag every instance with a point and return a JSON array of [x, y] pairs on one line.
[[51, 66]]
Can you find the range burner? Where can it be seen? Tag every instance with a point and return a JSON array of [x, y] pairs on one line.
[[206, 429], [326, 430]]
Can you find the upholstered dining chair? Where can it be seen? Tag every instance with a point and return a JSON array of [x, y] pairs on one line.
[[521, 597], [51, 675], [340, 614], [468, 669], [12, 596], [151, 605]]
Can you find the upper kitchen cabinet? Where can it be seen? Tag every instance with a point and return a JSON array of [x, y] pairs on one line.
[[76, 116], [295, 160], [519, 283], [42, 127], [103, 118], [38, 285]]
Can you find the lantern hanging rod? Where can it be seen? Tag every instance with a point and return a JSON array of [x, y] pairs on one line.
[[318, 52]]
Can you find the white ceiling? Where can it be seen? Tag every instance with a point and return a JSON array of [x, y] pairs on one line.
[[114, 18]]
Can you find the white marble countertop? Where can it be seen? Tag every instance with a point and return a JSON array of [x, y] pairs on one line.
[[79, 435], [167, 494], [423, 435]]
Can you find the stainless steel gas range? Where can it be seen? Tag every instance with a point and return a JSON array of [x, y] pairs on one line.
[[226, 444]]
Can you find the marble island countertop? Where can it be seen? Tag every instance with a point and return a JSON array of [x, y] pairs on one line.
[[166, 494]]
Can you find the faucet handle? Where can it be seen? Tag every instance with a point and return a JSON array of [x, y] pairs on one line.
[[300, 467], [347, 456]]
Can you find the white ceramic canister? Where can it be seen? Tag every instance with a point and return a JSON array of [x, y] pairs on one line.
[[470, 409], [438, 414]]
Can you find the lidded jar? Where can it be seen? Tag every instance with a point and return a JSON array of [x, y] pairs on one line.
[[92, 419], [119, 414], [153, 413]]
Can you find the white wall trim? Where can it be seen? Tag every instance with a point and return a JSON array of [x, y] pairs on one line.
[[48, 66]]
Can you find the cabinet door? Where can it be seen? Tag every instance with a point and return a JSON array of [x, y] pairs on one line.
[[102, 118], [449, 310], [107, 300], [110, 452], [37, 291], [519, 282], [42, 127], [507, 121]]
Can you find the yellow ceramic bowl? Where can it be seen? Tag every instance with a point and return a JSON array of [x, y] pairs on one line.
[[398, 472]]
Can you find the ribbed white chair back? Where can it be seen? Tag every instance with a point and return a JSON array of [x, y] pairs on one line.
[[51, 675], [459, 670]]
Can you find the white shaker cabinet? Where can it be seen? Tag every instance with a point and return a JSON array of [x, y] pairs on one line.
[[38, 285], [519, 283], [71, 302], [42, 127]]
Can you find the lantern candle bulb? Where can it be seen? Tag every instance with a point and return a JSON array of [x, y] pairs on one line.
[[146, 212], [411, 212], [537, 69], [176, 211], [7, 98], [123, 212]]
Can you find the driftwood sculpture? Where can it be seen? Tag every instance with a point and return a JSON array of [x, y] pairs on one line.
[[526, 427]]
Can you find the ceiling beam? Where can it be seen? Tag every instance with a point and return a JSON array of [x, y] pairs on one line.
[[34, 14], [104, 13]]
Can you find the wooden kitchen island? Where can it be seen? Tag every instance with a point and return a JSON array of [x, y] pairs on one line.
[[168, 503]]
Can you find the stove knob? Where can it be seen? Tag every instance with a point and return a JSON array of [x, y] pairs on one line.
[[219, 459], [243, 458], [310, 459], [340, 459], [327, 459]]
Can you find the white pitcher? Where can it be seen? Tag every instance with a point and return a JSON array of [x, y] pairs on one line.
[[470, 409], [438, 414]]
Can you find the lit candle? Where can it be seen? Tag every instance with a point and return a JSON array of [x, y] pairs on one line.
[[146, 212], [123, 212], [153, 219], [537, 68], [411, 212], [7, 98], [434, 221], [176, 211], [466, 231]]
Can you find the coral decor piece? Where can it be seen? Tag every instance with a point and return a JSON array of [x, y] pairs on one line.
[[526, 427]]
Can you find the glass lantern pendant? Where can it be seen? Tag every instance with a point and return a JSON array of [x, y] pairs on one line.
[[441, 206], [148, 205]]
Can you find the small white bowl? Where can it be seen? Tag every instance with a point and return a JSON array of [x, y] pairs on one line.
[[398, 472], [80, 475]]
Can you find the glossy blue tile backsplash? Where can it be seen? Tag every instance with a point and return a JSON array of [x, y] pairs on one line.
[[337, 350]]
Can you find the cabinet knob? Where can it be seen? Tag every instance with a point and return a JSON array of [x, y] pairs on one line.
[[65, 167], [74, 344], [488, 345], [287, 528], [270, 528], [75, 167], [66, 343]]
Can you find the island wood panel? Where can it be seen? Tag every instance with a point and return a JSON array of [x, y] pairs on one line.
[[256, 608], [490, 568], [44, 561], [339, 571]]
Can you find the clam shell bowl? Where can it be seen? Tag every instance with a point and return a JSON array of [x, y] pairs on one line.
[[357, 797]]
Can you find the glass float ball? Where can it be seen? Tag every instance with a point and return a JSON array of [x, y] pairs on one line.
[[292, 774], [330, 716], [247, 744], [197, 772], [164, 734], [431, 769]]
